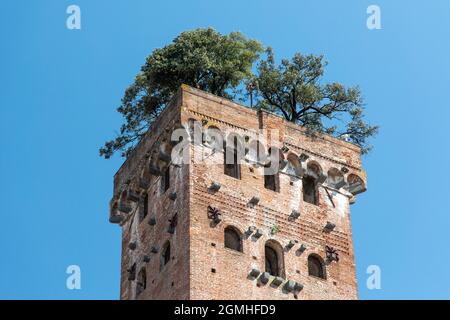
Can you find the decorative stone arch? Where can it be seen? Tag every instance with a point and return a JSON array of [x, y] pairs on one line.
[[356, 184], [314, 169], [213, 138], [335, 178], [310, 181], [293, 166], [316, 266], [274, 258], [233, 238], [195, 130]]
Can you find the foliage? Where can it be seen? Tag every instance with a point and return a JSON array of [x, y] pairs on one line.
[[202, 58], [294, 90], [222, 65]]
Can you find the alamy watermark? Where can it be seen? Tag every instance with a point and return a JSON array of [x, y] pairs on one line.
[[73, 21], [374, 280], [374, 19], [73, 281], [235, 147]]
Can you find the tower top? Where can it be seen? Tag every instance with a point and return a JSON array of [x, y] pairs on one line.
[[194, 101], [257, 208]]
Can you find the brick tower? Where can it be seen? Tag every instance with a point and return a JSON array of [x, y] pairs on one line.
[[220, 224]]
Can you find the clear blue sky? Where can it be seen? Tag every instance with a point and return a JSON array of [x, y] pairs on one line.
[[59, 89]]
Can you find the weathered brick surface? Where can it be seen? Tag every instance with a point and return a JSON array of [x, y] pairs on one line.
[[197, 247]]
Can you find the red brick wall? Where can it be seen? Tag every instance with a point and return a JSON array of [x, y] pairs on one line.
[[197, 247]]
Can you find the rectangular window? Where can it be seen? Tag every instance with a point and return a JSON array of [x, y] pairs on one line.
[[231, 163], [309, 190], [270, 182]]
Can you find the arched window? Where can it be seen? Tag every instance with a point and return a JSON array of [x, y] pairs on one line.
[[142, 281], [293, 165], [165, 254], [273, 253], [233, 239], [271, 261], [313, 169], [316, 267], [310, 181], [335, 178]]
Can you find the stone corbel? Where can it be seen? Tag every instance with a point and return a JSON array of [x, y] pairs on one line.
[[115, 215], [291, 244], [258, 234], [295, 214], [254, 201], [264, 278], [329, 227], [292, 286], [254, 273], [356, 188], [340, 184], [215, 186]]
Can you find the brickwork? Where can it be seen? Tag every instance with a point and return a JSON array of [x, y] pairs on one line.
[[200, 266]]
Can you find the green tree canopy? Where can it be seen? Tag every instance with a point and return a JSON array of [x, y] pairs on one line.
[[294, 90], [202, 58], [221, 64]]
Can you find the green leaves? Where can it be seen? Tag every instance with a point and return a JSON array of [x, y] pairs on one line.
[[202, 58], [222, 65], [294, 90]]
